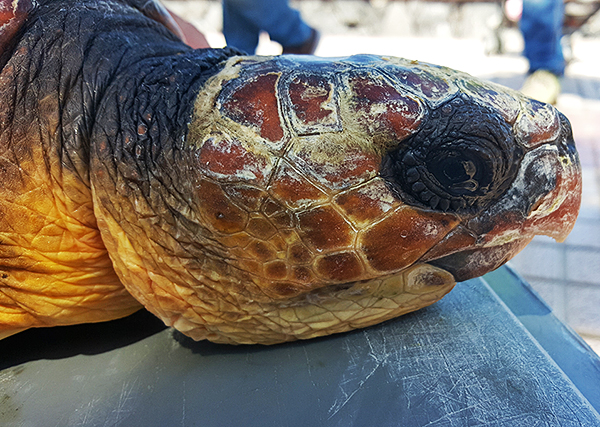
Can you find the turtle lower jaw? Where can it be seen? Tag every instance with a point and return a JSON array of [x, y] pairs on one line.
[[471, 263], [334, 309]]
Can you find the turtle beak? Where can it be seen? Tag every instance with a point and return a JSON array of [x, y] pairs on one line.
[[544, 199], [555, 213]]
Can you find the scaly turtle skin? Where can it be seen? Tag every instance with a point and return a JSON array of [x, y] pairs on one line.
[[252, 199]]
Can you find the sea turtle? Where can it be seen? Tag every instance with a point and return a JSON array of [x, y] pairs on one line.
[[252, 199]]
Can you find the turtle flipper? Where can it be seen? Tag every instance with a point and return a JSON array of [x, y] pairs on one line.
[[54, 267]]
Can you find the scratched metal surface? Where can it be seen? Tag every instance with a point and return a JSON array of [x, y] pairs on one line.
[[466, 361]]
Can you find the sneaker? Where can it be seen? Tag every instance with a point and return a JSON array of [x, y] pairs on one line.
[[543, 86], [306, 48]]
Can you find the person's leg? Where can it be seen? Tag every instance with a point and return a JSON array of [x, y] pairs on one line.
[[239, 31], [541, 26], [283, 24]]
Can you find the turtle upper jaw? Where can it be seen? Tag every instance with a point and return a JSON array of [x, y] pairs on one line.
[[544, 199]]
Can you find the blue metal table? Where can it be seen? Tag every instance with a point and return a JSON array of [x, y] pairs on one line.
[[491, 353]]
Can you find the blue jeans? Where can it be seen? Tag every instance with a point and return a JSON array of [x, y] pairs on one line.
[[541, 26], [243, 20]]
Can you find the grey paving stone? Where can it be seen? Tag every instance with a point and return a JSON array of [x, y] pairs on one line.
[[589, 196], [545, 240], [588, 88], [541, 260], [583, 265], [587, 157], [569, 85], [585, 233], [583, 309], [589, 213]]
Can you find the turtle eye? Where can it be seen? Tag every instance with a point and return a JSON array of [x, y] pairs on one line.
[[462, 158], [464, 172]]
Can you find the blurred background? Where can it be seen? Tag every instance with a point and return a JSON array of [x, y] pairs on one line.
[[483, 39]]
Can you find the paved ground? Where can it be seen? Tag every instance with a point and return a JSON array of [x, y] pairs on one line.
[[566, 275]]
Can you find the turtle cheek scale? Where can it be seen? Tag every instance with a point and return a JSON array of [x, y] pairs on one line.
[[296, 214]]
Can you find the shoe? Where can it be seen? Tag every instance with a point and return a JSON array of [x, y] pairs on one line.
[[543, 86], [306, 48]]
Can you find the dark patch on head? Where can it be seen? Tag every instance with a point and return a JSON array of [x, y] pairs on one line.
[[462, 158], [470, 263], [566, 142]]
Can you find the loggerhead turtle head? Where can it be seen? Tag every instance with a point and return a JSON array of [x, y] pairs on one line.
[[314, 196], [250, 199]]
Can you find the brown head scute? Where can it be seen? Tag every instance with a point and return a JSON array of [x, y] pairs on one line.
[[384, 111], [313, 104], [340, 267], [254, 103]]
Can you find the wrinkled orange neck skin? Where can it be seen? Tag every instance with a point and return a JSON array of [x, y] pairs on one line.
[[54, 266]]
